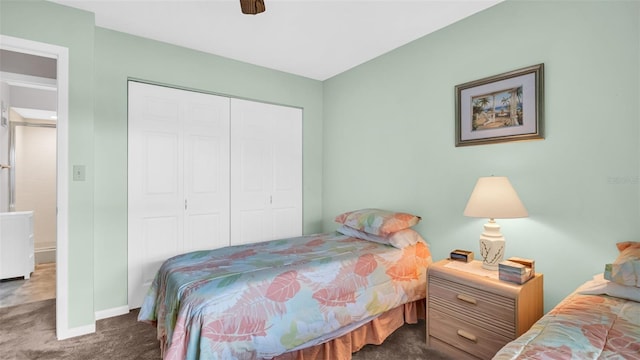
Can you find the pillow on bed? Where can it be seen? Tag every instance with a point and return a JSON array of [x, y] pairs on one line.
[[625, 270], [376, 221], [599, 285], [399, 239]]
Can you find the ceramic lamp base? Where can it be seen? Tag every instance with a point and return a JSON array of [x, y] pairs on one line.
[[492, 246]]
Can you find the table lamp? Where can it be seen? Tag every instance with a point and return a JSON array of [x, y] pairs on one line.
[[493, 197]]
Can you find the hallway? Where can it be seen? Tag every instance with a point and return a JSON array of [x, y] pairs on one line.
[[41, 286]]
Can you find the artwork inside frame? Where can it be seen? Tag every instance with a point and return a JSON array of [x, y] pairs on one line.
[[501, 108]]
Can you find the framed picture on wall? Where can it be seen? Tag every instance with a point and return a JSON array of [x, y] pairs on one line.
[[501, 108]]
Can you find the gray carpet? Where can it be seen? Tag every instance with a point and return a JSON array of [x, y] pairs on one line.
[[28, 332]]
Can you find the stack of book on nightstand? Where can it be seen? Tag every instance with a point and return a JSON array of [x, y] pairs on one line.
[[516, 270]]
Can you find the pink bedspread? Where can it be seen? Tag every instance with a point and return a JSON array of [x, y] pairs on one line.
[[581, 327], [260, 300]]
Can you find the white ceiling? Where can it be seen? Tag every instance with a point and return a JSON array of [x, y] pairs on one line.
[[311, 38], [35, 114]]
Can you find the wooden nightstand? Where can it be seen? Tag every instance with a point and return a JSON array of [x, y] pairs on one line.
[[471, 314]]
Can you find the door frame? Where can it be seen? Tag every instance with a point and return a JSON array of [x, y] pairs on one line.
[[61, 54]]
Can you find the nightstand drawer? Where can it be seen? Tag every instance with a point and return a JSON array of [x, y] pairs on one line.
[[473, 305], [477, 341], [471, 314]]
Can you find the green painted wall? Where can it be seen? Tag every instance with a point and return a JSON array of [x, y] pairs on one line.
[[382, 134], [119, 56], [389, 135], [50, 23], [101, 61]]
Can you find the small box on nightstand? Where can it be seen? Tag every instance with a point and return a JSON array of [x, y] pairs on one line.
[[516, 270], [461, 255]]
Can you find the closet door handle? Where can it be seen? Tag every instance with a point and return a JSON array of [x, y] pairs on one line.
[[467, 299], [467, 335]]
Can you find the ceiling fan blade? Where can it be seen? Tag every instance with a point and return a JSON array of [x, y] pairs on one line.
[[252, 6]]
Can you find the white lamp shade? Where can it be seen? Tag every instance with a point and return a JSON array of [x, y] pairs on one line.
[[493, 197]]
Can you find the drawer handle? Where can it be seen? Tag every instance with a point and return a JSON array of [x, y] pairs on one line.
[[467, 299], [467, 335]]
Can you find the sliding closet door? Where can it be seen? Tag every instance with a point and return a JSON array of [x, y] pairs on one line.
[[266, 171], [178, 174], [206, 171]]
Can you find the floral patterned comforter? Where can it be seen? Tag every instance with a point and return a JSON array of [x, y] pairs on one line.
[[581, 327], [260, 300]]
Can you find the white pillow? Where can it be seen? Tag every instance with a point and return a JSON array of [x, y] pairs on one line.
[[599, 285], [399, 239]]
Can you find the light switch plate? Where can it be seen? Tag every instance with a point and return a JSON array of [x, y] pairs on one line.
[[78, 172]]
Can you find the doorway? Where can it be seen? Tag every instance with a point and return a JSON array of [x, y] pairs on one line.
[[28, 245], [61, 57], [32, 180]]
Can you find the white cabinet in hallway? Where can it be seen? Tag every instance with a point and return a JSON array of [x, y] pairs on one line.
[[16, 244]]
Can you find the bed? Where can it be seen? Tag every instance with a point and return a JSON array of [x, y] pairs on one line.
[[599, 320], [309, 297]]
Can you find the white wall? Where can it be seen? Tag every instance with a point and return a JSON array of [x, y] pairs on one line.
[[35, 184]]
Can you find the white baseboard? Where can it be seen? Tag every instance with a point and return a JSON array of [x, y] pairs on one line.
[[45, 255], [117, 311], [78, 331]]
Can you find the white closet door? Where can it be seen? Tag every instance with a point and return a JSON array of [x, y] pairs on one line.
[[286, 204], [175, 191], [266, 171], [206, 136]]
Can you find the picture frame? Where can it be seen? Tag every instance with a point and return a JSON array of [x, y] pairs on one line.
[[501, 108]]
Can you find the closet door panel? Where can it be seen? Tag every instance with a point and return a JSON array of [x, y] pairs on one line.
[[286, 203], [155, 188], [204, 230], [160, 161], [266, 171], [206, 128], [158, 205], [251, 181], [250, 172], [159, 236], [178, 178], [285, 223], [254, 227]]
